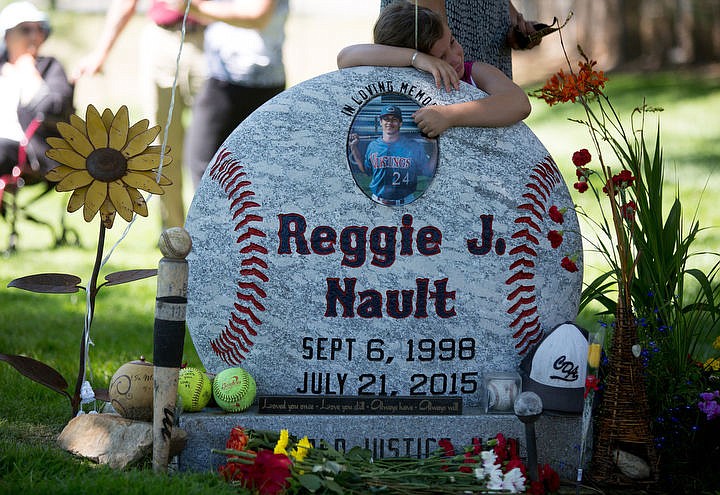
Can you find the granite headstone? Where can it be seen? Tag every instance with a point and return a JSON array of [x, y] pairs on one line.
[[319, 283]]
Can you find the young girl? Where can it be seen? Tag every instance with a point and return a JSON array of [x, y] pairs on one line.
[[395, 35]]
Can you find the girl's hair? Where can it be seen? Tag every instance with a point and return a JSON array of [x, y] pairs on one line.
[[396, 26]]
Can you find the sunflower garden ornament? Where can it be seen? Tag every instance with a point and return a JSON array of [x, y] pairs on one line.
[[105, 162]]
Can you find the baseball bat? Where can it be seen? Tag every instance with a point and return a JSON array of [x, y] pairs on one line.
[[168, 338]]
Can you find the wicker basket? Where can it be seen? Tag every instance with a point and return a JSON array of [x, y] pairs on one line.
[[623, 421]]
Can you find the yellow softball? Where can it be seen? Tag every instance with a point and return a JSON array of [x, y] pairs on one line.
[[194, 389]]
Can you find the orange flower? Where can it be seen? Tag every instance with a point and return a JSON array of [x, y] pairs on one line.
[[562, 87]]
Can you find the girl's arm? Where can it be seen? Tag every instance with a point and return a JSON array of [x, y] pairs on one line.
[[395, 56], [506, 104]]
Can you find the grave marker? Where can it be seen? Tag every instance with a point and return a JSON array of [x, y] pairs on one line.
[[305, 275]]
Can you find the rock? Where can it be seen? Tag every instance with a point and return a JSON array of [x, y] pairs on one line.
[[631, 465], [113, 440]]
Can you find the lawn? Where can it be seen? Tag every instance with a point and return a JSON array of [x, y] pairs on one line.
[[48, 327]]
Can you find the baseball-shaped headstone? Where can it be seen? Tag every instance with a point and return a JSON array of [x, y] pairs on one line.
[[194, 389], [131, 390], [327, 262], [234, 389], [175, 242]]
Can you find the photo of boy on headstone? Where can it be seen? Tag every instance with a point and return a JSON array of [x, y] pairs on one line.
[[396, 167]]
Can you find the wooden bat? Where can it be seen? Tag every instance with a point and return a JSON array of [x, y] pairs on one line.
[[168, 338]]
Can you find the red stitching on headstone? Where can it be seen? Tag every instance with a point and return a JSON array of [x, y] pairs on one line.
[[529, 221], [522, 262], [532, 210], [244, 323], [236, 336], [527, 235]]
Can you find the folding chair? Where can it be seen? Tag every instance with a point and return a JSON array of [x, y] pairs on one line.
[[28, 172]]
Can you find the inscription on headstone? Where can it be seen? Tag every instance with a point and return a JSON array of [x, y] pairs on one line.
[[299, 275]]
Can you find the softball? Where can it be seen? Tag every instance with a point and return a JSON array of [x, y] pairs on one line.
[[175, 242], [194, 389], [234, 389], [131, 390]]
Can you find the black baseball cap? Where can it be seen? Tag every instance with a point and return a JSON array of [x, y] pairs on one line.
[[391, 110]]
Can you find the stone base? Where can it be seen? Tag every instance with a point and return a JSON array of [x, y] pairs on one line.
[[558, 437]]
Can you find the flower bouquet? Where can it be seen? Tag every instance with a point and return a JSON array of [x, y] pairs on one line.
[[272, 463]]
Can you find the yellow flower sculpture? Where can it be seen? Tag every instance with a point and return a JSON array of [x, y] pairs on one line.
[[104, 161]]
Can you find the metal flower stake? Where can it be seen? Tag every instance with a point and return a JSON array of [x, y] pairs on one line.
[[105, 162]]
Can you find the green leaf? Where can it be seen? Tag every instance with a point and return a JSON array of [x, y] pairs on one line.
[[38, 372], [334, 487], [48, 283], [310, 482], [123, 277]]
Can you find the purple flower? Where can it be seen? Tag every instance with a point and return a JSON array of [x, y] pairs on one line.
[[709, 405]]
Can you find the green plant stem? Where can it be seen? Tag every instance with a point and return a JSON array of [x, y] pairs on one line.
[[91, 294]]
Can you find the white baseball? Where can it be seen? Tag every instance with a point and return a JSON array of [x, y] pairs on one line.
[[175, 242], [501, 394]]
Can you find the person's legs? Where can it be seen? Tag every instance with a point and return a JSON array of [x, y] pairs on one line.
[[211, 114], [162, 48]]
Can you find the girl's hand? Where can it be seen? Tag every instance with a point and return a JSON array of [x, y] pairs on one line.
[[432, 121], [443, 72]]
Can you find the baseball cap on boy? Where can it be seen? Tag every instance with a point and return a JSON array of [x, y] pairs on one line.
[[391, 110], [556, 367], [18, 12]]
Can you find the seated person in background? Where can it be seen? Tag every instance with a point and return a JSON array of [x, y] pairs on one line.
[[438, 53], [31, 86]]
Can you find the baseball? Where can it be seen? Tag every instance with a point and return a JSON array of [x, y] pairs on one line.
[[234, 389], [501, 395], [175, 242], [194, 389], [131, 390]]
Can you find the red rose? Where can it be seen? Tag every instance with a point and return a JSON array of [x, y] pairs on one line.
[[268, 474], [555, 237], [581, 186], [581, 157], [568, 264], [556, 214]]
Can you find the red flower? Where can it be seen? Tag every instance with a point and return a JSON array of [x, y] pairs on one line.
[[477, 446], [549, 477], [513, 448], [469, 459], [628, 211], [591, 383], [620, 181], [271, 473], [515, 463], [500, 448], [555, 237], [238, 439], [537, 488], [581, 186], [556, 214], [447, 446], [581, 157], [568, 264]]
